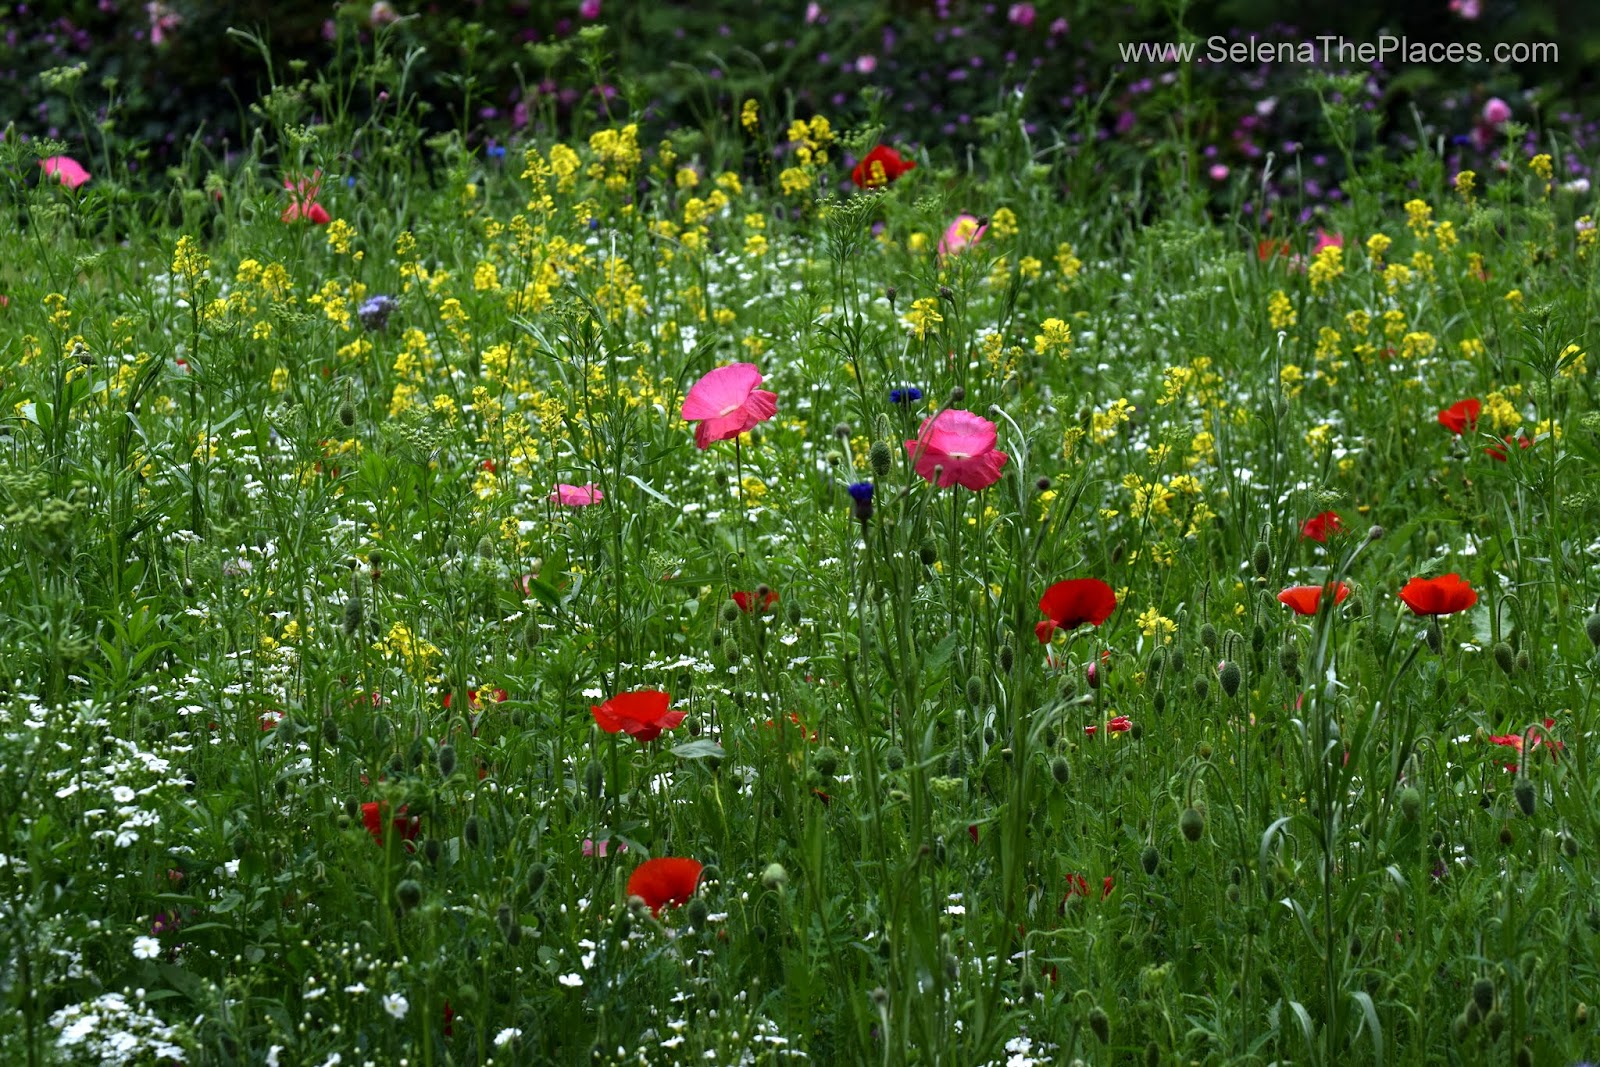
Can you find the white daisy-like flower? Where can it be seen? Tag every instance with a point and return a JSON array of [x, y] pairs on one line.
[[396, 1004], [571, 981], [506, 1036], [146, 948]]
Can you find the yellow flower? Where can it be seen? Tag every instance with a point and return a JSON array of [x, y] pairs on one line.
[[1419, 216], [1326, 266], [750, 116], [1152, 622], [1542, 165], [1377, 245], [1573, 363], [1003, 223], [794, 180], [340, 234], [1465, 181], [923, 316], [1029, 267], [1057, 337], [1280, 311]]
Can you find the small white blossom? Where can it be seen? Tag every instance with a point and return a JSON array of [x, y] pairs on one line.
[[396, 1004], [146, 948]]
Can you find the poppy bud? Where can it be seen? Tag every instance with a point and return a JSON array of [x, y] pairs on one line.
[[485, 547], [1043, 484], [698, 913], [1202, 688], [730, 612], [1460, 1027], [1060, 769], [834, 458], [974, 690], [409, 894], [1375, 533], [1261, 558], [1524, 793], [1208, 636], [774, 877], [826, 761], [470, 832], [330, 730], [730, 653], [354, 615], [1569, 844], [1434, 636], [1495, 1021], [510, 929], [794, 613], [1524, 661], [1149, 859], [1504, 658], [957, 395], [1100, 1024], [1228, 674], [1007, 658], [347, 414], [890, 293], [1288, 658], [1483, 995], [894, 759], [842, 430], [432, 849], [447, 760], [880, 459], [956, 764], [928, 554], [1506, 836], [594, 779], [1580, 1016], [1524, 1056], [1258, 637], [1192, 823], [1591, 626], [1410, 803]]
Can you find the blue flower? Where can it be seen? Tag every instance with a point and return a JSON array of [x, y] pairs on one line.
[[908, 395], [861, 492], [374, 313]]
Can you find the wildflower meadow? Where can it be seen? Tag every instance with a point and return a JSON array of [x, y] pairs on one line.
[[774, 592]]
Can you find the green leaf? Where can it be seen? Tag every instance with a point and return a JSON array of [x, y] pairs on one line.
[[700, 749]]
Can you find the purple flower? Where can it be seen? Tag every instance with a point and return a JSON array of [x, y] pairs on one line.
[[374, 312], [589, 10], [1021, 15]]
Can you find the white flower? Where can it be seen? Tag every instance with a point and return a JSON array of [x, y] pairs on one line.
[[506, 1036], [396, 1004], [146, 948], [571, 981], [272, 1055]]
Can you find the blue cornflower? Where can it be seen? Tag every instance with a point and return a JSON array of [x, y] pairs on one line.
[[908, 395], [497, 151], [861, 492]]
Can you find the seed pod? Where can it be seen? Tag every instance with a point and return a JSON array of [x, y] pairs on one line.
[[1524, 792], [1524, 662], [1504, 657], [1208, 636], [1261, 558], [594, 777], [880, 459], [470, 832], [698, 913], [1192, 823], [1060, 770], [974, 691]]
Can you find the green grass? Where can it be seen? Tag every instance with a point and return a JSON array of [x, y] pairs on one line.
[[225, 498]]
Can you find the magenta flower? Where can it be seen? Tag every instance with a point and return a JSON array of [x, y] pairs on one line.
[[589, 10], [964, 231], [961, 444], [1327, 240], [1021, 15], [726, 403], [1496, 111], [66, 170], [576, 496]]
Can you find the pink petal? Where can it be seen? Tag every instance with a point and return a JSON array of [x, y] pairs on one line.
[[576, 496], [65, 169], [720, 391]]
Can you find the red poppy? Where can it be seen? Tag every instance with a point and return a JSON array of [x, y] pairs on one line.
[[1078, 886], [373, 813], [499, 696], [270, 719], [643, 714], [1268, 249], [1072, 603], [1515, 741], [879, 167], [794, 718], [1461, 416], [1121, 724], [1318, 527], [1496, 452], [747, 601], [1305, 599], [1444, 595], [664, 880], [303, 200]]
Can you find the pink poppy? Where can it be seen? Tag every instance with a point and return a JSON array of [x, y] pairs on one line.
[[576, 496], [726, 403], [591, 847], [961, 233], [1496, 112], [66, 170], [960, 443], [1326, 240]]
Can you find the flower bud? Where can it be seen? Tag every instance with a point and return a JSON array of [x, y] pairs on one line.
[[774, 877], [1261, 558], [330, 730], [880, 459], [1289, 658], [1228, 674], [536, 879], [1060, 770], [1483, 995], [1100, 1024], [928, 554], [432, 849], [1007, 658], [1495, 1023], [890, 293], [826, 761], [594, 779], [1208, 636], [1591, 626], [894, 759], [409, 894], [347, 414], [1149, 859], [1433, 634], [470, 832], [447, 760], [957, 395], [1192, 823], [1460, 1026], [1524, 661], [1504, 657], [1202, 688], [730, 612], [1524, 792], [1410, 803], [698, 913], [354, 615]]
